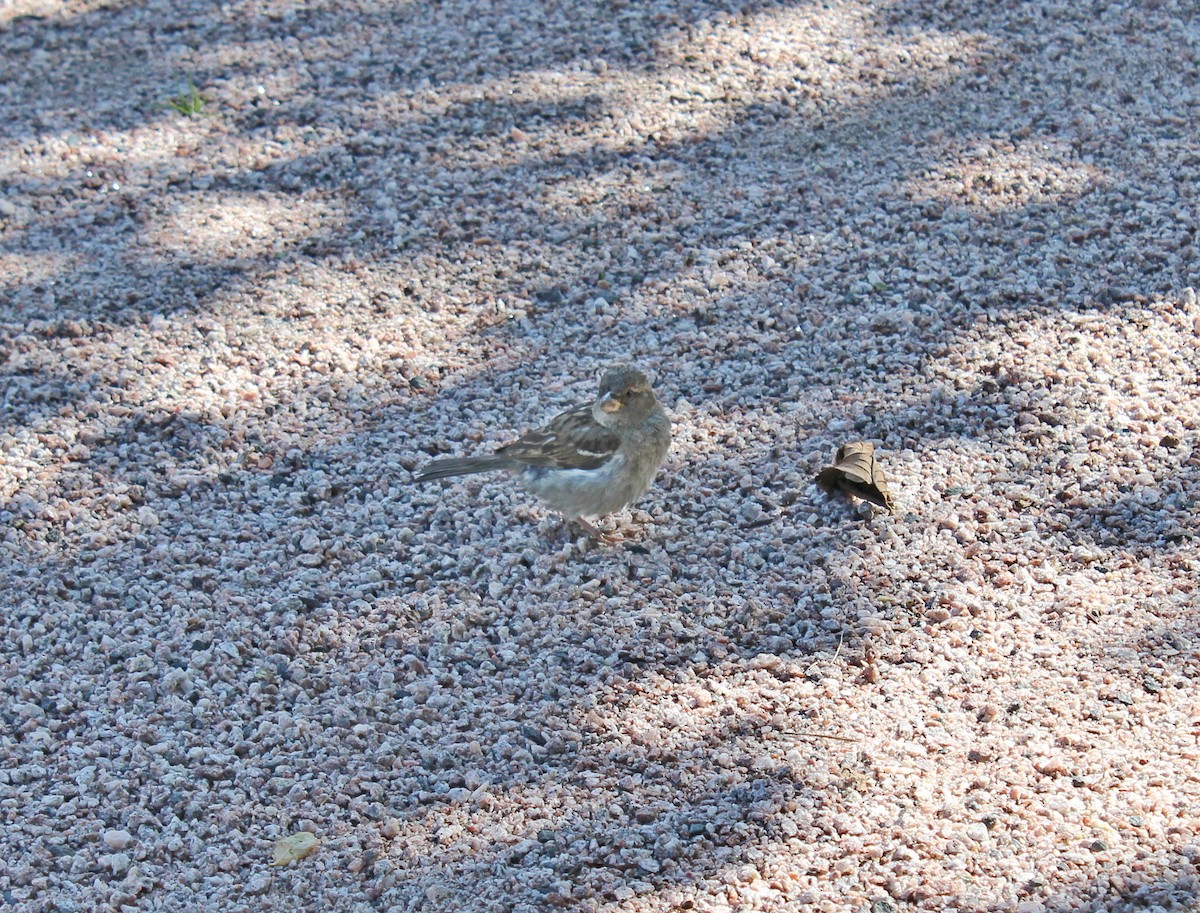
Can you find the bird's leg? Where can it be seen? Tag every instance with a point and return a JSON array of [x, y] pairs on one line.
[[595, 532]]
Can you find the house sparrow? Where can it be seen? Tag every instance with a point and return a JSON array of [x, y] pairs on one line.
[[592, 460]]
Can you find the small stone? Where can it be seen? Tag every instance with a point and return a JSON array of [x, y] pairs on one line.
[[390, 828], [258, 884], [117, 840], [649, 865], [977, 832], [1052, 766], [290, 604], [534, 735]]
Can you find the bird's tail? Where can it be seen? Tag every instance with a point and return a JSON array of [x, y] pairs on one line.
[[459, 466]]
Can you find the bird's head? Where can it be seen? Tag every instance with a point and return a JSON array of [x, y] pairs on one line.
[[625, 391]]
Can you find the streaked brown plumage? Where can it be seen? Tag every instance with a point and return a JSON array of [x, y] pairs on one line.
[[591, 460]]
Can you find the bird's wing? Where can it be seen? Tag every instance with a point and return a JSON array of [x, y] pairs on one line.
[[572, 440]]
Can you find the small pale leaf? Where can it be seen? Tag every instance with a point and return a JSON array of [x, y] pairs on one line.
[[295, 847]]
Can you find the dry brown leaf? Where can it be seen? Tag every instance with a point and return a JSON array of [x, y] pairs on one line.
[[855, 471], [295, 847]]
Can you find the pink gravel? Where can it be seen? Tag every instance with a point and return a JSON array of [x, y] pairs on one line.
[[964, 232]]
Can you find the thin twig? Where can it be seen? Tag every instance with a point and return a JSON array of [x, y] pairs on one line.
[[817, 735]]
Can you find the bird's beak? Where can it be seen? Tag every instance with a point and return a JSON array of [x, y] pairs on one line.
[[609, 403]]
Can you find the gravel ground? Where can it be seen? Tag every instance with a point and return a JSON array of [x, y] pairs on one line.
[[962, 231]]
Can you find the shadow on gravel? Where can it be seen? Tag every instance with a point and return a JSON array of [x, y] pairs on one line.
[[1072, 460], [671, 822], [118, 65], [800, 157], [1168, 883], [939, 271], [1148, 518]]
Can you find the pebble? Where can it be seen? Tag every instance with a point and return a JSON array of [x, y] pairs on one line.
[[977, 832], [259, 883], [117, 840], [750, 511], [119, 863]]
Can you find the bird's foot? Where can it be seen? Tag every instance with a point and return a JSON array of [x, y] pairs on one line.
[[594, 532]]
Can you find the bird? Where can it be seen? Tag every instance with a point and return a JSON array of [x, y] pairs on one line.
[[589, 461]]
